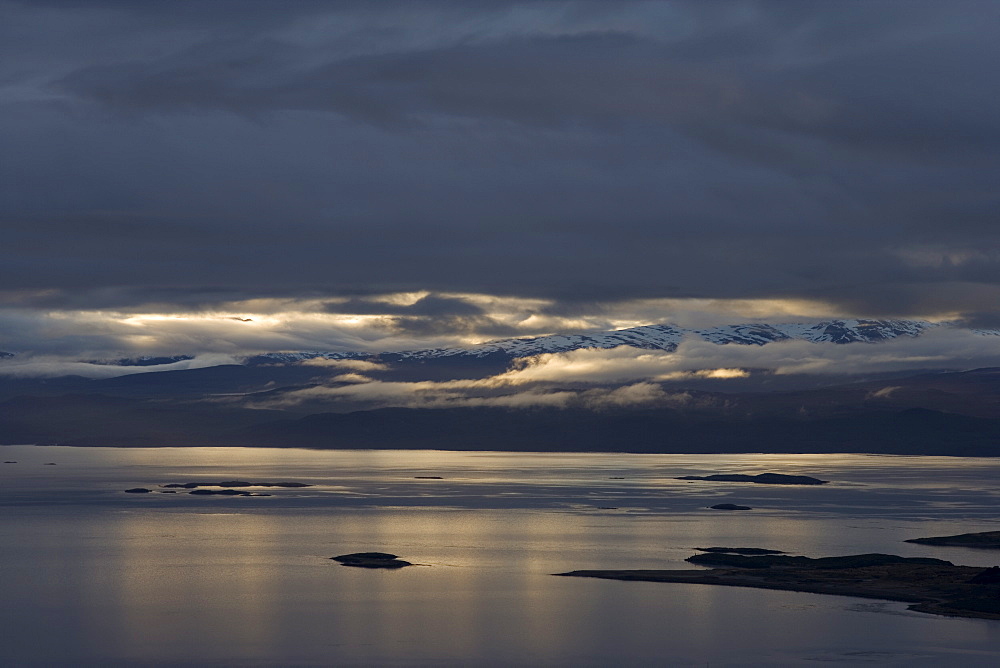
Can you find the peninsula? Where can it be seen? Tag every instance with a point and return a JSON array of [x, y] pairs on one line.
[[929, 585], [989, 540]]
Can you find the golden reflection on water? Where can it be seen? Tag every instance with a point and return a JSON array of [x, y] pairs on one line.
[[184, 578], [177, 578]]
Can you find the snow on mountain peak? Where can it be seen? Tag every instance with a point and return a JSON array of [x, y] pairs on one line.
[[661, 337], [666, 337]]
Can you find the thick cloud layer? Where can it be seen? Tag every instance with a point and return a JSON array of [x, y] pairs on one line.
[[377, 323], [174, 157]]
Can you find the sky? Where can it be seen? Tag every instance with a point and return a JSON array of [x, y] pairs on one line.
[[229, 177]]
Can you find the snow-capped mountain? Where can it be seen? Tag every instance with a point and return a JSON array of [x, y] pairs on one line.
[[666, 337], [657, 337], [647, 337]]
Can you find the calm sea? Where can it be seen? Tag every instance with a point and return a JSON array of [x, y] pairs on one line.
[[91, 576]]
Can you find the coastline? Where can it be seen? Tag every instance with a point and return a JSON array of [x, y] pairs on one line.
[[939, 590]]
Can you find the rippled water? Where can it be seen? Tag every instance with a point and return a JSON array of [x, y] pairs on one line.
[[93, 576]]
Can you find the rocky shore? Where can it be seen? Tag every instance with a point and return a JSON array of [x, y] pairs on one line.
[[930, 585]]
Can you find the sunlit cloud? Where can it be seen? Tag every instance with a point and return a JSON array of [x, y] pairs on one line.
[[884, 393], [51, 367], [472, 393], [357, 365], [937, 348], [624, 376], [380, 323], [696, 313], [394, 322], [350, 378]]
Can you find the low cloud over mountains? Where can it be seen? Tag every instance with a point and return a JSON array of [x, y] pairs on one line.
[[626, 376]]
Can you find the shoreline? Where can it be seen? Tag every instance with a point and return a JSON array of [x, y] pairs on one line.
[[938, 590]]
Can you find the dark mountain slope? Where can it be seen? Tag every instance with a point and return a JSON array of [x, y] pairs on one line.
[[905, 432]]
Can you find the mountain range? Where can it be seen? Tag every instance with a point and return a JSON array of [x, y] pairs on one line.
[[656, 337], [664, 337], [916, 412]]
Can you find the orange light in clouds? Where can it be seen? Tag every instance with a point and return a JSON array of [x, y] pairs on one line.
[[724, 373]]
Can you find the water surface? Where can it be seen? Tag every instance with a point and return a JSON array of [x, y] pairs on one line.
[[94, 576]]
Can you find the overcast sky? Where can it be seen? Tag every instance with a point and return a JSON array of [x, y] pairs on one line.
[[359, 174]]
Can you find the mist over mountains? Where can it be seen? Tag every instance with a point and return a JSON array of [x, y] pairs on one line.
[[663, 337], [834, 386]]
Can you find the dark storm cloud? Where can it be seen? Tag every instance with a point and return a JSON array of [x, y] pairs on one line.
[[586, 152], [430, 305], [478, 326], [432, 315], [985, 320], [556, 81]]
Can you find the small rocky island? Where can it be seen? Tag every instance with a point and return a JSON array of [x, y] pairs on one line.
[[739, 550], [371, 560], [988, 540], [228, 488], [729, 506], [930, 585], [233, 483], [224, 492], [760, 479]]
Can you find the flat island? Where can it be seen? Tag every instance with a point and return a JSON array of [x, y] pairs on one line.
[[987, 540], [760, 479], [930, 585], [198, 488], [729, 506]]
